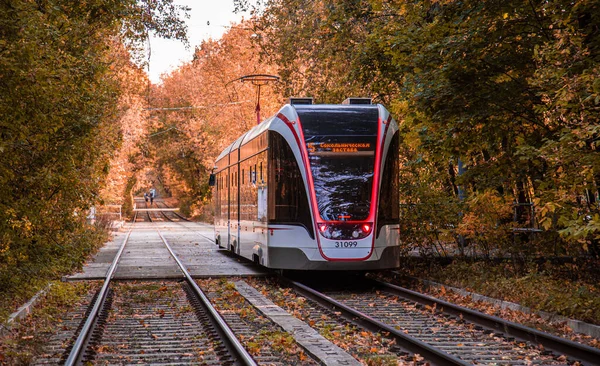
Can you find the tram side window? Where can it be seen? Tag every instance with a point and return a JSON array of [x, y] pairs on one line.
[[288, 202], [389, 205]]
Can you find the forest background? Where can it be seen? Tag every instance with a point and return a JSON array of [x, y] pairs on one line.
[[498, 103]]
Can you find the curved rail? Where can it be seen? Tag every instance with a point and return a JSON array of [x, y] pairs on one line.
[[414, 345], [559, 345], [232, 343], [84, 335]]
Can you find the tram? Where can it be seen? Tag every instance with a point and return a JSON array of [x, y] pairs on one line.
[[315, 187]]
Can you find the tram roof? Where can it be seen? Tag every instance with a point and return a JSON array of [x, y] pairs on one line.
[[231, 147], [257, 130], [334, 107]]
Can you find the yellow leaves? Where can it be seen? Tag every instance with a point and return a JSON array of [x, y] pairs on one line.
[[253, 348], [505, 16], [562, 358], [302, 356], [432, 309], [103, 349], [442, 291], [377, 5], [23, 225]]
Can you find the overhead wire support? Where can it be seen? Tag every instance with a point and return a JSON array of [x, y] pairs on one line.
[[258, 80]]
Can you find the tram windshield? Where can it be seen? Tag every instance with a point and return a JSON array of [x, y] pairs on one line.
[[341, 149]]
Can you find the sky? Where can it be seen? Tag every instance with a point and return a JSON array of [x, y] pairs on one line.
[[208, 19]]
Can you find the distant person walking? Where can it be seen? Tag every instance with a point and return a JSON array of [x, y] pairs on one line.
[[146, 196], [151, 197]]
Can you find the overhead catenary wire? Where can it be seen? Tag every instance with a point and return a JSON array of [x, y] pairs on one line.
[[194, 107]]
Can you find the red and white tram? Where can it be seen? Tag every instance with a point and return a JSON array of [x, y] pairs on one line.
[[314, 187]]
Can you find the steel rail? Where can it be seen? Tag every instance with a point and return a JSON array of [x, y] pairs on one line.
[[581, 352], [173, 212], [80, 344], [432, 354], [231, 341], [148, 214]]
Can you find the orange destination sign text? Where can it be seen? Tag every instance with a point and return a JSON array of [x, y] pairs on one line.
[[339, 147]]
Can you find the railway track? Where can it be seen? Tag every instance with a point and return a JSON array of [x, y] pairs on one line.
[[166, 322], [172, 322], [152, 216], [445, 333], [170, 215], [441, 332]]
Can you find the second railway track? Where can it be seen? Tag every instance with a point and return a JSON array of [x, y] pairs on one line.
[[155, 322], [442, 332]]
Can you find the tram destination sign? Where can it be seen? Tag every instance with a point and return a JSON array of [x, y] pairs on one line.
[[339, 147]]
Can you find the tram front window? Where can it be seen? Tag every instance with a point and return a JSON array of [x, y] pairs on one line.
[[341, 149]]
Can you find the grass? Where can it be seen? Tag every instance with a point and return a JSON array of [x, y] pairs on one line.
[[20, 280], [565, 289], [28, 338]]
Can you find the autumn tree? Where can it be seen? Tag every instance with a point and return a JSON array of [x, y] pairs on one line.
[[59, 113], [202, 107]]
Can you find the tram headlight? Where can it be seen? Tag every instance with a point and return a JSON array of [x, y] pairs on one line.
[[345, 231]]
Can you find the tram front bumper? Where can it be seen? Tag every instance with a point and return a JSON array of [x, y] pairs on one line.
[[295, 259]]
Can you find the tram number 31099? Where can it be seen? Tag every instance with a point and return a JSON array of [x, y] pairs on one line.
[[346, 244]]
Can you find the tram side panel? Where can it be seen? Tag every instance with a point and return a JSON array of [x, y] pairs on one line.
[[218, 202], [247, 202], [222, 205], [253, 188], [387, 232]]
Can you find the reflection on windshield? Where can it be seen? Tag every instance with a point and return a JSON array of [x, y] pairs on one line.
[[341, 150], [343, 185]]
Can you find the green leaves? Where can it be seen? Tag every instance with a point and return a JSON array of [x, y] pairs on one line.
[[59, 108], [509, 88]]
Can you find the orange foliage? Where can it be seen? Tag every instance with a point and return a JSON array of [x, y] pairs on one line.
[[132, 125], [208, 108]]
